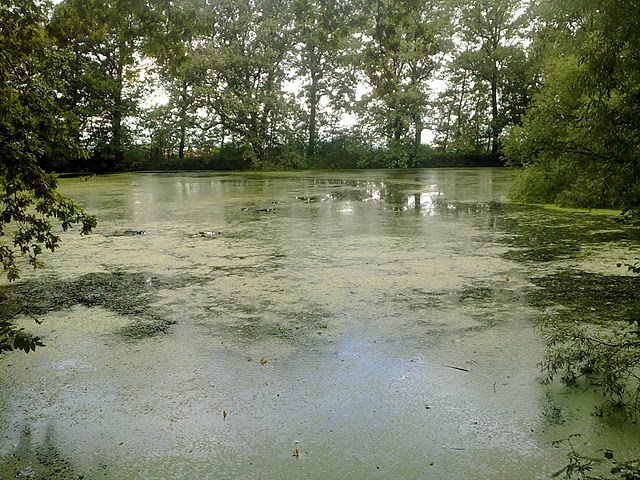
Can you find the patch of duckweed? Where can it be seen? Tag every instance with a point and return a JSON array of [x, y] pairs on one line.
[[590, 297], [257, 328], [552, 414], [125, 293], [121, 292], [420, 299], [545, 235], [261, 320], [475, 292], [146, 327]]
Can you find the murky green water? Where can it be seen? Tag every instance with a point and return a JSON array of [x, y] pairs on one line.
[[377, 324]]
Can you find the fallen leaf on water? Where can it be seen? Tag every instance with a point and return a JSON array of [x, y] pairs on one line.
[[264, 361], [224, 414], [296, 453]]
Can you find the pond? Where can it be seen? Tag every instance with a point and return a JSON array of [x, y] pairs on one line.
[[325, 325]]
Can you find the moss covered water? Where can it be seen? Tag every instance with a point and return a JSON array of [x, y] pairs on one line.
[[372, 324]]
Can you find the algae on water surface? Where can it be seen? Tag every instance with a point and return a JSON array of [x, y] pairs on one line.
[[329, 325]]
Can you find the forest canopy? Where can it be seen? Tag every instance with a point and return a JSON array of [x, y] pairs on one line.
[[551, 85]]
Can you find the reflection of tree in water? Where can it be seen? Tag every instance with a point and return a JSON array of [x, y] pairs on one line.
[[37, 461]]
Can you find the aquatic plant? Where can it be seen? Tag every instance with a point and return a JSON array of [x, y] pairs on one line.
[[606, 357], [592, 334], [601, 352], [582, 466]]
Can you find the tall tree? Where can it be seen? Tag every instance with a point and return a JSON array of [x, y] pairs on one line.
[[103, 40], [179, 29], [405, 46], [492, 31], [460, 123], [326, 44], [248, 59]]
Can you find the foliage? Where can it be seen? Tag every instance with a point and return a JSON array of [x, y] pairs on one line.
[[406, 42], [267, 76], [326, 47], [31, 126], [592, 343], [585, 120], [12, 338], [606, 356], [490, 78], [101, 41], [581, 466]]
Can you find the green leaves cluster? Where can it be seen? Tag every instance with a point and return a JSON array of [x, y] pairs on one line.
[[579, 140], [605, 356], [274, 79], [12, 338], [490, 77], [583, 466], [33, 127]]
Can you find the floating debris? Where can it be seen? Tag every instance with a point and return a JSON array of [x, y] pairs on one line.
[[129, 233], [205, 234]]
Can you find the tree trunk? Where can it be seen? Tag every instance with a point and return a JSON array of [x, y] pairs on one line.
[[417, 140], [183, 119], [117, 141], [313, 102], [495, 133], [313, 112]]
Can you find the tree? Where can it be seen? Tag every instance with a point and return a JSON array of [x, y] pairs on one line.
[[461, 124], [326, 45], [31, 126], [491, 31], [405, 46], [174, 42], [103, 42], [580, 138], [247, 59]]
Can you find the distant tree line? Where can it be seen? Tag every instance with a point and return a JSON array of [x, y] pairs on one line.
[[267, 84]]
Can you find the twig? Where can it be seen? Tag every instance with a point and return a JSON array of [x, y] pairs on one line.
[[457, 368]]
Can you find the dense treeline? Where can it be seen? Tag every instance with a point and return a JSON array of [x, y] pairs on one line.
[[270, 84], [280, 84], [580, 137]]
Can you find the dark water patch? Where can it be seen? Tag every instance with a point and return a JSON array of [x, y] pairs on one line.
[[310, 199], [476, 292], [125, 293], [590, 297], [120, 292], [31, 460], [475, 306], [551, 413], [536, 234], [260, 210], [205, 234], [258, 328], [127, 233], [146, 327], [262, 320], [420, 299]]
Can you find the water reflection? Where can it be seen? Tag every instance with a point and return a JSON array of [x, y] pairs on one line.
[[424, 202]]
